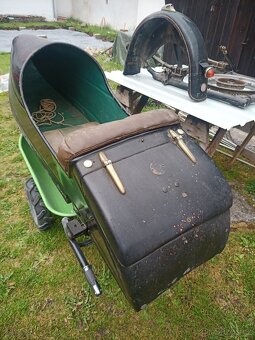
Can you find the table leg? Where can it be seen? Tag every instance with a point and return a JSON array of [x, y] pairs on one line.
[[137, 108], [215, 141], [198, 129], [132, 100], [240, 148]]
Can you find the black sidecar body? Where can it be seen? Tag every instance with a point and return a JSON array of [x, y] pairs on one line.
[[153, 202]]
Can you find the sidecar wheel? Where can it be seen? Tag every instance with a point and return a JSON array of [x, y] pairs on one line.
[[42, 217]]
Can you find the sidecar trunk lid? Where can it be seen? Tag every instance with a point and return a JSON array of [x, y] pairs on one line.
[[173, 216], [179, 194]]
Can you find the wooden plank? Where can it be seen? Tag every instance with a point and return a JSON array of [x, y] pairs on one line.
[[122, 95], [241, 147], [215, 29], [224, 22], [239, 159], [247, 59], [225, 25], [202, 8], [216, 141], [198, 129], [248, 154], [229, 22], [140, 104], [240, 29]]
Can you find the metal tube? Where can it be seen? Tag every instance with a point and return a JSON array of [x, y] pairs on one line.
[[86, 267]]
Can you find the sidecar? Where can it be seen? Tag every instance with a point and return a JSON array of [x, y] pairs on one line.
[[152, 201]]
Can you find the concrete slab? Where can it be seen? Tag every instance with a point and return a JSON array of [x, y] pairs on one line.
[[79, 39]]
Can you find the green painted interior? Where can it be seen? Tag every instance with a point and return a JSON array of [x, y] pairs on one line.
[[50, 194], [75, 81]]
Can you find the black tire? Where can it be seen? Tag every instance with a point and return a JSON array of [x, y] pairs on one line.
[[42, 217]]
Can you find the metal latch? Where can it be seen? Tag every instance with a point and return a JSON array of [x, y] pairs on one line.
[[179, 141], [109, 167]]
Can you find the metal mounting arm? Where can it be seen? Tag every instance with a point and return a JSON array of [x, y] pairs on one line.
[[72, 230]]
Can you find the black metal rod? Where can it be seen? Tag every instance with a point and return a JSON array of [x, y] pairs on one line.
[[239, 101], [86, 267]]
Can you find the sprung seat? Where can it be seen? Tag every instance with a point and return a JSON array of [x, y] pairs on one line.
[[93, 136]]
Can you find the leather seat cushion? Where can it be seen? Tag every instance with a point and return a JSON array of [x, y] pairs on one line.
[[87, 139], [56, 137]]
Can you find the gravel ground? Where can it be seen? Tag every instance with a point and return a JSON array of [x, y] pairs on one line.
[[79, 39], [241, 211]]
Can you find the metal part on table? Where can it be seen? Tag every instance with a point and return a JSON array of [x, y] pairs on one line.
[[220, 65], [109, 167], [170, 27], [168, 71], [168, 74], [224, 51], [236, 84], [219, 86], [230, 83]]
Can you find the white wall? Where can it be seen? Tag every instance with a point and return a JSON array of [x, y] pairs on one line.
[[115, 13], [118, 14], [146, 7], [64, 8], [28, 7]]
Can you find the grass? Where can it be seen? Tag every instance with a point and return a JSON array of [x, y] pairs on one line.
[[4, 63], [241, 177], [36, 25], [106, 32], [43, 294]]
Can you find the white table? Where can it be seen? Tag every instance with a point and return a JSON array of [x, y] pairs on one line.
[[223, 115]]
